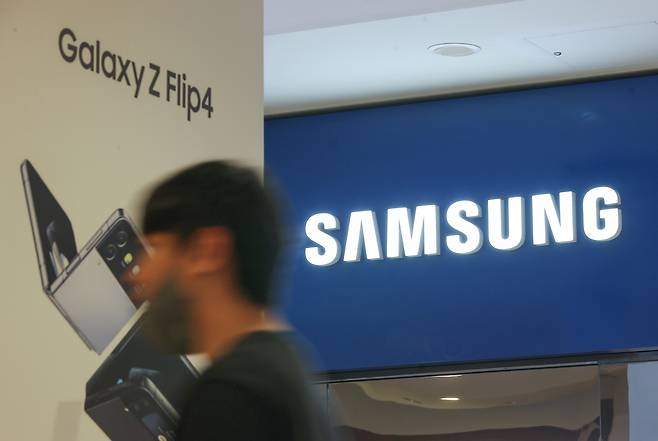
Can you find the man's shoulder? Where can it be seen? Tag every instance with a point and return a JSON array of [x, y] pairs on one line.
[[266, 377]]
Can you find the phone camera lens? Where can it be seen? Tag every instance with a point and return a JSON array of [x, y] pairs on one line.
[[122, 238], [110, 252]]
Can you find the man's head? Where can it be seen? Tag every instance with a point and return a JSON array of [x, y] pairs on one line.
[[215, 235]]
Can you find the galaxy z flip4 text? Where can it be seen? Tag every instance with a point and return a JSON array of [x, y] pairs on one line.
[[151, 78]]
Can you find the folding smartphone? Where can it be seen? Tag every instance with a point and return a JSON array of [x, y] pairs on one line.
[[138, 393], [88, 287]]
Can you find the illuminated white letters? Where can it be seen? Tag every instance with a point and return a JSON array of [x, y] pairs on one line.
[[515, 224], [455, 216], [363, 224], [413, 235], [610, 217], [331, 253], [562, 225], [425, 230]]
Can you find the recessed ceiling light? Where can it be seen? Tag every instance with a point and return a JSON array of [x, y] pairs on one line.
[[450, 399], [448, 376], [454, 49]]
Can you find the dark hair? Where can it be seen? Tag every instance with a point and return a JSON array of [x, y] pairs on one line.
[[220, 193]]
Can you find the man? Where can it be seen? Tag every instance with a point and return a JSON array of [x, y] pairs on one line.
[[215, 241]]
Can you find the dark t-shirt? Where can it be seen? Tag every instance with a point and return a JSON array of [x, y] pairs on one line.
[[261, 390]]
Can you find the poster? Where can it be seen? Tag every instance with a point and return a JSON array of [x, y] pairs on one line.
[[103, 99]]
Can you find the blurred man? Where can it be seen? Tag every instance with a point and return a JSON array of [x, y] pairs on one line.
[[216, 241]]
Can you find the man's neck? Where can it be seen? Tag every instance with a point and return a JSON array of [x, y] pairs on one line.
[[220, 322]]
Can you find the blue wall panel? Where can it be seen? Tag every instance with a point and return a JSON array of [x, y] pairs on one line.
[[561, 299]]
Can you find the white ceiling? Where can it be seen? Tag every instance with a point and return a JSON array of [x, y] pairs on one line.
[[349, 52], [283, 16], [484, 390], [568, 398]]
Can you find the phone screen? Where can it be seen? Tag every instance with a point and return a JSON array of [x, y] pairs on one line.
[[54, 233]]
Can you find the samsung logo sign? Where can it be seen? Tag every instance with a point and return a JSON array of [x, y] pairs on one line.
[[415, 234]]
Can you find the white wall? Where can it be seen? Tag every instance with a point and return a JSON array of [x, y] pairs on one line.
[[643, 401], [97, 148]]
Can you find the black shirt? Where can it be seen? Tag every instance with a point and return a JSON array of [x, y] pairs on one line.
[[261, 390]]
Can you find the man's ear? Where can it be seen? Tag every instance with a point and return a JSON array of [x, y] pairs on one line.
[[209, 250]]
